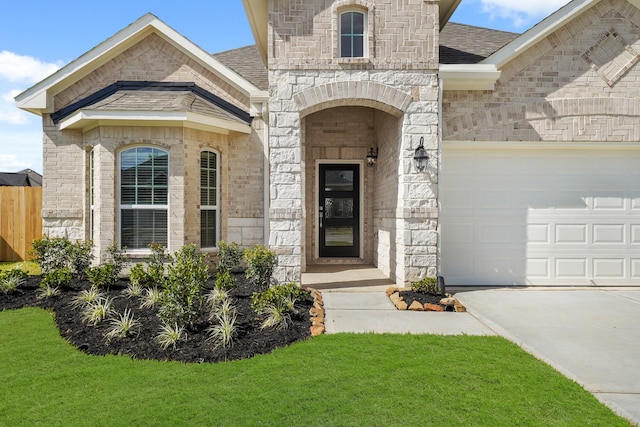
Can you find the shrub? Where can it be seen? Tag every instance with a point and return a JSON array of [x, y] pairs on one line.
[[277, 303], [260, 264], [51, 253], [151, 297], [156, 263], [116, 257], [58, 278], [102, 276], [427, 285], [229, 256], [11, 280], [225, 281], [97, 311], [133, 290], [138, 276], [47, 292], [80, 256], [86, 297], [216, 298], [225, 330], [182, 301]]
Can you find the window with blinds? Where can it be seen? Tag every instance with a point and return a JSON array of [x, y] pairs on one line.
[[144, 197], [209, 196]]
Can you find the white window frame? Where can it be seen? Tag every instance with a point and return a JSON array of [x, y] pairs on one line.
[[92, 192], [121, 206], [365, 32], [215, 207]]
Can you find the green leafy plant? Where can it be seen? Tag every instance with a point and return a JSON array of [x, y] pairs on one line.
[[80, 257], [102, 276], [11, 280], [277, 304], [260, 265], [151, 297], [170, 335], [47, 292], [224, 280], [156, 263], [216, 297], [97, 311], [58, 278], [86, 297], [427, 285], [133, 290], [182, 298], [51, 253], [138, 276], [124, 325], [229, 255], [116, 256]]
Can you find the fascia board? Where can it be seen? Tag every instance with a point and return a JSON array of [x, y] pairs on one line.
[[33, 99], [469, 76], [447, 8], [540, 31], [257, 12], [84, 120]]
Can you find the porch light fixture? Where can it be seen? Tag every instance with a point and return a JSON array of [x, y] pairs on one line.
[[420, 157], [372, 157]]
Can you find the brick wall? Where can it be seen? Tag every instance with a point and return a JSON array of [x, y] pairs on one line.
[[552, 93], [152, 59], [403, 34]]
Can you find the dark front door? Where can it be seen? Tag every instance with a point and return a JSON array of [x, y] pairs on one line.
[[339, 210]]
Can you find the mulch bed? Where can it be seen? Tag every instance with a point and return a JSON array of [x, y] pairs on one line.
[[422, 298], [251, 339]]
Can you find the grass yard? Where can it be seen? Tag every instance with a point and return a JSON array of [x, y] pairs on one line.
[[345, 380], [29, 267]]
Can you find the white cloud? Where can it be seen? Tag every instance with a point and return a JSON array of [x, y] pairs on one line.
[[20, 68], [8, 111], [10, 163], [519, 11]]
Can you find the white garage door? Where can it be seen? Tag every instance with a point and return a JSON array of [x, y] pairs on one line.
[[540, 216]]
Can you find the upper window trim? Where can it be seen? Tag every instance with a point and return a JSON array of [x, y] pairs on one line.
[[364, 33]]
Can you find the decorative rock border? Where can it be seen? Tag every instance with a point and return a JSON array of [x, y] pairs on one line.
[[448, 301], [316, 312]]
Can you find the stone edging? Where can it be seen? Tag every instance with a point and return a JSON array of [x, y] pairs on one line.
[[316, 312], [394, 295]]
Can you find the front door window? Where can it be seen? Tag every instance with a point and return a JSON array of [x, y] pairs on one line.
[[339, 210]]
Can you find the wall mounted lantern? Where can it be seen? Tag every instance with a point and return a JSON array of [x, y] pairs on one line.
[[420, 157], [372, 157]]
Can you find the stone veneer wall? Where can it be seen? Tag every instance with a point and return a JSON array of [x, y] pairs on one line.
[[551, 93]]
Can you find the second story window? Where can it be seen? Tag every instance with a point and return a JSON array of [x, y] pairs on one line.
[[352, 34]]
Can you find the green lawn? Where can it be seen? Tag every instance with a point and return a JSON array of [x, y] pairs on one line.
[[343, 380], [28, 267]]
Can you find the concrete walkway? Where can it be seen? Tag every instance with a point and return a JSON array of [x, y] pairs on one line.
[[590, 335]]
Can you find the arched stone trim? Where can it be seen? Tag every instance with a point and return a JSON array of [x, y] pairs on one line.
[[505, 116], [352, 93]]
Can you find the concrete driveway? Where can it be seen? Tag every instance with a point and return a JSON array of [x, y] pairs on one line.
[[590, 335]]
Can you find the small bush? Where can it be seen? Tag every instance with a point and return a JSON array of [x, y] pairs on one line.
[[97, 311], [123, 326], [170, 335], [47, 292], [151, 297], [51, 253], [116, 257], [138, 276], [260, 264], [182, 300], [11, 280], [102, 276], [229, 256], [58, 278], [225, 281], [225, 330], [86, 297], [156, 264], [216, 298], [427, 285], [80, 257]]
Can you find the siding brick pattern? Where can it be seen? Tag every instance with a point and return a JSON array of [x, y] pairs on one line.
[[551, 93]]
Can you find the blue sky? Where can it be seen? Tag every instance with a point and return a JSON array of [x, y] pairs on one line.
[[37, 37]]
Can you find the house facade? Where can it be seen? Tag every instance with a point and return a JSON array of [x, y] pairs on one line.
[[361, 132]]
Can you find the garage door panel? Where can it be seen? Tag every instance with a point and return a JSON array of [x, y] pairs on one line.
[[563, 217]]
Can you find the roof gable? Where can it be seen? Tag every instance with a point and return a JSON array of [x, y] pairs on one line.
[[544, 28], [39, 98]]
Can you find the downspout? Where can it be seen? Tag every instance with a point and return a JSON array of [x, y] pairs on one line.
[[267, 172], [438, 171]]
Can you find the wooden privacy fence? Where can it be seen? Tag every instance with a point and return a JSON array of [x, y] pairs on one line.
[[20, 221]]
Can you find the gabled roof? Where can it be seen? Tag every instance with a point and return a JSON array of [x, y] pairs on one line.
[[547, 26], [39, 98], [467, 44]]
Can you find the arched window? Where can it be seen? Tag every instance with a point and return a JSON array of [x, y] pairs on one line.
[[144, 197], [352, 34], [209, 199]]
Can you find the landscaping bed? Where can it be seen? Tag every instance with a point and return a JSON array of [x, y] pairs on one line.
[[410, 299], [251, 338]]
